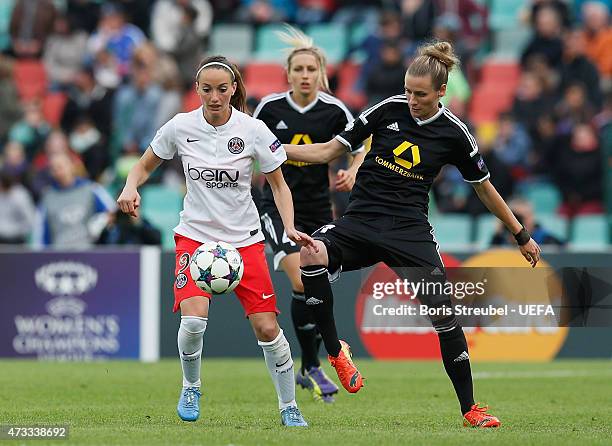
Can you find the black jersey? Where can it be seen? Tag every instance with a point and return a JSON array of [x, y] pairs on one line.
[[319, 121], [406, 155]]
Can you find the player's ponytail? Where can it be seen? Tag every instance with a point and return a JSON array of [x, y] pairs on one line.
[[435, 59], [301, 43], [239, 98]]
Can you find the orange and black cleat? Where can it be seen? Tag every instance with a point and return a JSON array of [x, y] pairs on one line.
[[349, 376], [478, 417]]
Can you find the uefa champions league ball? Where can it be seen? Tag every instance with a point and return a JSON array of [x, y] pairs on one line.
[[216, 267]]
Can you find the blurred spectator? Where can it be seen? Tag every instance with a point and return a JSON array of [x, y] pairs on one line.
[[135, 106], [578, 171], [32, 129], [16, 211], [84, 14], [189, 48], [596, 19], [512, 145], [87, 99], [531, 101], [168, 76], [65, 51], [501, 175], [137, 12], [86, 140], [124, 229], [112, 45], [524, 214], [314, 11], [560, 6], [10, 110], [73, 211], [41, 176], [576, 68], [267, 11], [14, 160], [417, 19], [473, 17], [31, 23], [544, 140], [223, 10], [573, 107], [176, 22], [387, 77], [358, 12], [448, 27], [547, 38], [389, 29]]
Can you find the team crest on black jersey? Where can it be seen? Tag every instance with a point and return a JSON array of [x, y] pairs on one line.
[[235, 145]]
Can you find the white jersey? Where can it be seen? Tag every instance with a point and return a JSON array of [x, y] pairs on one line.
[[218, 165]]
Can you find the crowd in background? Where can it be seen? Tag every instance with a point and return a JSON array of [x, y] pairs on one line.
[[126, 66]]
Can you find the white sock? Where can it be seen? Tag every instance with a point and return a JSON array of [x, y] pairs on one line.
[[280, 365], [190, 342]]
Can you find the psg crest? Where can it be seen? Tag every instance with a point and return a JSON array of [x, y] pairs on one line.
[[235, 145]]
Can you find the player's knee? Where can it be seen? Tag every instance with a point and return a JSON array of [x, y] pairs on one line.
[[308, 257], [267, 331]]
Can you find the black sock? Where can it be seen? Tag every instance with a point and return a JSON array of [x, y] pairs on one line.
[[453, 347], [320, 298], [305, 330]]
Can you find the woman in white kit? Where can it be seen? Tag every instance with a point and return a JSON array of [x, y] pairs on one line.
[[218, 144]]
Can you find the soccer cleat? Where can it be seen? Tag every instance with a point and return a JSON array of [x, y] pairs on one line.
[[478, 417], [292, 417], [189, 404], [318, 383], [349, 376]]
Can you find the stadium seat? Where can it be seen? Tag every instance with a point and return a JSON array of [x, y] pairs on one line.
[[53, 107], [161, 206], [494, 72], [555, 224], [485, 228], [357, 34], [347, 76], [544, 197], [332, 38], [6, 10], [452, 230], [590, 231], [30, 78], [488, 101], [268, 46], [510, 42], [504, 14], [264, 78], [234, 41]]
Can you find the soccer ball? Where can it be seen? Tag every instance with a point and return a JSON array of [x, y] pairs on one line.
[[216, 267]]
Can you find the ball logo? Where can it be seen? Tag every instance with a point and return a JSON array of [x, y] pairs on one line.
[[235, 145]]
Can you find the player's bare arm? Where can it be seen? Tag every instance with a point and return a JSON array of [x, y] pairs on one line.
[[496, 204], [346, 177], [284, 204], [315, 153], [129, 200]]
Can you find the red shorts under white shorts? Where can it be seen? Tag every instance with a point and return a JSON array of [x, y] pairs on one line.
[[255, 291]]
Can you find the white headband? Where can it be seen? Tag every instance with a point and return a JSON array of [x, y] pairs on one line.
[[221, 64]]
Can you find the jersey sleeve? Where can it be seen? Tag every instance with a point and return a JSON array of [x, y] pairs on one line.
[[269, 151], [468, 160], [164, 141], [360, 129], [346, 117]]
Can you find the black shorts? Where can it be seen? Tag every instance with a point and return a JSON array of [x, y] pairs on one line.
[[406, 246], [274, 231]]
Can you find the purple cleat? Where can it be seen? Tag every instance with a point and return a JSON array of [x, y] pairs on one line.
[[315, 380]]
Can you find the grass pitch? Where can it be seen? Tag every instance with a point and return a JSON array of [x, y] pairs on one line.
[[117, 403]]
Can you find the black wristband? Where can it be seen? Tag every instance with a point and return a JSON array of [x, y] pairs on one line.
[[522, 237]]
